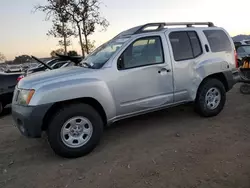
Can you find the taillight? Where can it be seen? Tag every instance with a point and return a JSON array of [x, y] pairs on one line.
[[20, 77], [236, 59]]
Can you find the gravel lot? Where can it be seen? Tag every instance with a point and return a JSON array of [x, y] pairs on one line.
[[170, 148]]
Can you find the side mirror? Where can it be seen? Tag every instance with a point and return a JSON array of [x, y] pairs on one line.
[[120, 63]]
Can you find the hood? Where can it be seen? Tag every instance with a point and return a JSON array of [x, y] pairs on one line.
[[50, 76]]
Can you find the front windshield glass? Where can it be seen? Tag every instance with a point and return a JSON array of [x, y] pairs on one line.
[[102, 54]]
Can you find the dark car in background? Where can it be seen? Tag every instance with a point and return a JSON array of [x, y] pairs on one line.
[[242, 52], [8, 83]]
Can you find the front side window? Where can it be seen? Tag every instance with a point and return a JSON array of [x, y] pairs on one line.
[[218, 40], [142, 52]]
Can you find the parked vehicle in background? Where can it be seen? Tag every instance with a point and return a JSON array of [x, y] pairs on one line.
[[243, 42], [143, 69], [57, 62], [242, 52], [8, 82], [13, 68], [62, 64]]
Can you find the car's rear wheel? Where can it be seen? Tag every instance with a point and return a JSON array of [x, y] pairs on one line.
[[75, 130], [211, 98], [245, 89]]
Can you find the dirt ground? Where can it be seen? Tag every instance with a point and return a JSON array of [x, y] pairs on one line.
[[172, 148]]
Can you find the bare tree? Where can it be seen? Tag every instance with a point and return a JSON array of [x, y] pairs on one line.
[[86, 16], [54, 10], [89, 47], [91, 17], [2, 58], [61, 31]]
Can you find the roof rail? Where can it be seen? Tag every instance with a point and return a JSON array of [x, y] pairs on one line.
[[161, 25], [189, 24]]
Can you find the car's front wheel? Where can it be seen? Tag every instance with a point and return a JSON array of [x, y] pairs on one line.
[[211, 98], [75, 130]]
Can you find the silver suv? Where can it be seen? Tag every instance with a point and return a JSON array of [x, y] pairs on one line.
[[143, 69]]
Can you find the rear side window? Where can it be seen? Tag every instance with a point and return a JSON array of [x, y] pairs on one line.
[[218, 41], [185, 45]]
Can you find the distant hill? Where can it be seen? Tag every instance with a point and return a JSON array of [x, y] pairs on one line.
[[240, 38]]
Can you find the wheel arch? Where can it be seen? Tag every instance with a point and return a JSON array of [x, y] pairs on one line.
[[219, 76], [86, 100]]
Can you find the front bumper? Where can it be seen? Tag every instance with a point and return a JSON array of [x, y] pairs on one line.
[[29, 119]]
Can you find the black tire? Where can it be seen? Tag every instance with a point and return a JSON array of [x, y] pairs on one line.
[[64, 114], [200, 103], [245, 89]]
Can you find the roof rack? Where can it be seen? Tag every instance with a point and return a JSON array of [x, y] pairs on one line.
[[162, 25]]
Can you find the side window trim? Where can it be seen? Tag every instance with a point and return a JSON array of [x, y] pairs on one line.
[[199, 44], [134, 41], [194, 57]]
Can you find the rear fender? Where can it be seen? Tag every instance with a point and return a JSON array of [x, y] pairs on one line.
[[205, 69]]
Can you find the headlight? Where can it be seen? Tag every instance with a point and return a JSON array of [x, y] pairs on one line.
[[24, 96]]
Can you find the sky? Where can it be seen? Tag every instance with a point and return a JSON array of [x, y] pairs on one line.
[[24, 32]]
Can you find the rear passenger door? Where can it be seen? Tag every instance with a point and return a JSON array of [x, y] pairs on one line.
[[186, 51]]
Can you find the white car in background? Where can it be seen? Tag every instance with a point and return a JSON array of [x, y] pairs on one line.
[[13, 68]]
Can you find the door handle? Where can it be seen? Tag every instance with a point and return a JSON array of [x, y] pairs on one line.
[[164, 70]]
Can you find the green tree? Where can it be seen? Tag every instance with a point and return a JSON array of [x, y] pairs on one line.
[[22, 59], [72, 53], [58, 51]]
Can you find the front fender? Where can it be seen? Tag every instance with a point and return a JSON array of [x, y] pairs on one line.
[[74, 89]]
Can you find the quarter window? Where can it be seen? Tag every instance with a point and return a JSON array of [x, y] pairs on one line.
[[185, 45], [142, 52], [218, 40]]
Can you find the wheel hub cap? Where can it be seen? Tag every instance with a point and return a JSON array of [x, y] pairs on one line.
[[213, 98], [76, 132]]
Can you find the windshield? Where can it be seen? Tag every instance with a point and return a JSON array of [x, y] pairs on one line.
[[244, 49], [102, 54]]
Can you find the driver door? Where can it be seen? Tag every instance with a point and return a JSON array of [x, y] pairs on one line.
[[144, 80]]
